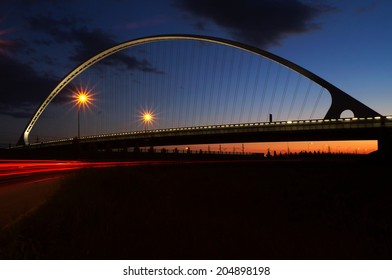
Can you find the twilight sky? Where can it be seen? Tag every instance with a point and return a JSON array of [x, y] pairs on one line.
[[348, 43]]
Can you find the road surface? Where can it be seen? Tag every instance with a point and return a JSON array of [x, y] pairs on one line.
[[27, 184]]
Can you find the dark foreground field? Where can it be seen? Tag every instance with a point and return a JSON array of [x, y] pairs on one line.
[[239, 210]]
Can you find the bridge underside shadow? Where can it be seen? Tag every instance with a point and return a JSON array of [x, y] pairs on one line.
[[383, 138]]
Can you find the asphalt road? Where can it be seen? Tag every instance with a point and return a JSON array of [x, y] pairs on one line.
[[27, 184]]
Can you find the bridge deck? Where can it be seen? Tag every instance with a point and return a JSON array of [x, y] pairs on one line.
[[371, 128]]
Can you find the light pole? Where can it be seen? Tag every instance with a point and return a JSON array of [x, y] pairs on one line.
[[78, 122], [147, 117], [82, 98]]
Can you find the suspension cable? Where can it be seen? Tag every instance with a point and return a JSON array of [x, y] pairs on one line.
[[266, 79], [220, 83], [294, 96], [305, 100], [283, 95], [255, 86], [228, 89], [317, 101], [245, 87], [274, 90], [236, 89]]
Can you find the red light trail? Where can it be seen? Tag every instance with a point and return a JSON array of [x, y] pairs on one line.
[[24, 167]]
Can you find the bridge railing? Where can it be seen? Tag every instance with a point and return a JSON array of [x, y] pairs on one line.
[[262, 127]]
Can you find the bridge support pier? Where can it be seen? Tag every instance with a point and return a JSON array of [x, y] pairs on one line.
[[385, 143]]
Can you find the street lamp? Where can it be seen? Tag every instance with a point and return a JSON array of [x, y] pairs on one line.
[[82, 98], [147, 117]]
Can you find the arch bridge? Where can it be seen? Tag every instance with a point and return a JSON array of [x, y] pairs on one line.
[[202, 89]]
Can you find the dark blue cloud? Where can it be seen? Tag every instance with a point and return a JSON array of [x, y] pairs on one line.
[[22, 87], [258, 22], [86, 42], [30, 86]]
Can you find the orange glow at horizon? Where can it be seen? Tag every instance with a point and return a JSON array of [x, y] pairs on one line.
[[345, 147]]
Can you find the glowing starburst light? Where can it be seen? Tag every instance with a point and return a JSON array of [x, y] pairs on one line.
[[82, 97], [147, 117]]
